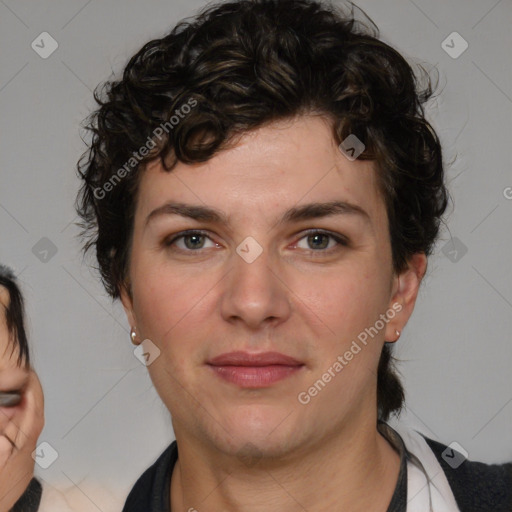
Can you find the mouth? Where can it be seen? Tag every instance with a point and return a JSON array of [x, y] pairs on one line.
[[254, 370]]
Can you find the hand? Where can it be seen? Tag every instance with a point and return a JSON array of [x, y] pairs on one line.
[[20, 427]]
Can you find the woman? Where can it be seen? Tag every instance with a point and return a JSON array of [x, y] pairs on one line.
[[227, 152], [21, 404]]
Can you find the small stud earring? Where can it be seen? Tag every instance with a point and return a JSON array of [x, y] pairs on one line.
[[133, 335], [397, 332]]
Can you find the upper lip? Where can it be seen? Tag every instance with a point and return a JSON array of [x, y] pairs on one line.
[[240, 358]]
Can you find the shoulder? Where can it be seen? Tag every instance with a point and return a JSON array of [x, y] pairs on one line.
[[151, 490], [477, 487]]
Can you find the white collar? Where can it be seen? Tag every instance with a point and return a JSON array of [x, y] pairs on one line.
[[422, 495]]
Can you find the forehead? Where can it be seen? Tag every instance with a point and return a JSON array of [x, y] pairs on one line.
[[266, 171]]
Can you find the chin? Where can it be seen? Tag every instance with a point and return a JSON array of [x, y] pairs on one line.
[[256, 429], [252, 449]]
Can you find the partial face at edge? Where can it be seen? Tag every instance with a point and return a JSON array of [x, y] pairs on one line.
[[13, 377], [306, 296], [8, 354]]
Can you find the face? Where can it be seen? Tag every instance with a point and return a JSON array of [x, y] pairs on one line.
[[12, 376], [269, 275], [8, 353]]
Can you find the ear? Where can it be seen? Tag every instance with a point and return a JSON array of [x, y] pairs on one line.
[[127, 300], [404, 292]]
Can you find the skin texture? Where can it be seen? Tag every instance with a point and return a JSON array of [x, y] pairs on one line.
[[21, 425], [249, 449]]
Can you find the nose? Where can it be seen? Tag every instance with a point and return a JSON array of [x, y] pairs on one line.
[[255, 292]]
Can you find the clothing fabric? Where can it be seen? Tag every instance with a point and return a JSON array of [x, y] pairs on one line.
[[398, 501], [427, 486], [426, 482], [30, 499], [477, 487]]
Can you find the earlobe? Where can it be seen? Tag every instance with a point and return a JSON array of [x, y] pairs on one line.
[[406, 288], [133, 336]]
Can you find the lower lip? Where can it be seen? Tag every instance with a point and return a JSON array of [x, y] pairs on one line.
[[255, 376]]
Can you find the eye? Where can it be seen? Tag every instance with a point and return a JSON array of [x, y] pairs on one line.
[[318, 241], [193, 240]]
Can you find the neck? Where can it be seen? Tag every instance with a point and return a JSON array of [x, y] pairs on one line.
[[355, 471]]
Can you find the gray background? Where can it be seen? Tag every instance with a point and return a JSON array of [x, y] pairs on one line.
[[102, 415]]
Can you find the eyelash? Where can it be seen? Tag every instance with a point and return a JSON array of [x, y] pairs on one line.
[[340, 240]]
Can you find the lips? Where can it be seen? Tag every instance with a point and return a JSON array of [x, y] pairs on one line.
[[247, 370], [240, 358]]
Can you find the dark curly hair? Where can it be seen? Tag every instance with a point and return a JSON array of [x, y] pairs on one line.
[[15, 315], [237, 66]]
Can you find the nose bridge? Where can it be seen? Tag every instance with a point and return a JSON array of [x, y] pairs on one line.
[[255, 291]]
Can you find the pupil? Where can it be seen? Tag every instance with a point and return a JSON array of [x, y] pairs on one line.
[[316, 238], [190, 237]]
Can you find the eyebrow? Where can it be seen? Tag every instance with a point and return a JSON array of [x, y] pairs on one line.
[[294, 214]]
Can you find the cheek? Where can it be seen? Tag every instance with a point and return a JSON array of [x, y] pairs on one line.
[[172, 305], [343, 307], [341, 302]]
